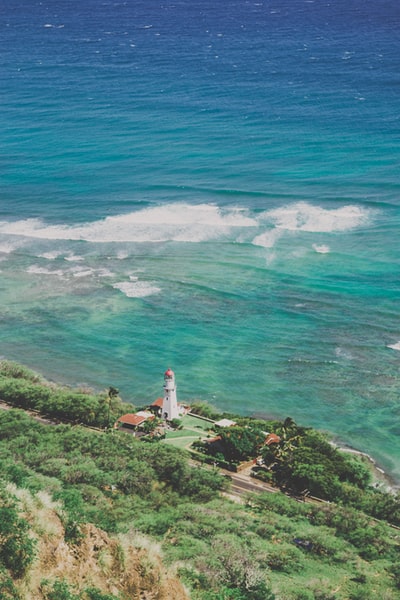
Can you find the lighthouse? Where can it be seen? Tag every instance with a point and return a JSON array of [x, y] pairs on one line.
[[170, 403]]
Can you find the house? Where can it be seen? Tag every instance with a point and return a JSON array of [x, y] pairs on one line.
[[225, 423], [272, 438], [156, 407], [133, 421]]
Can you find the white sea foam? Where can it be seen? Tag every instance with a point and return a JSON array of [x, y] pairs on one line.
[[105, 273], [136, 288], [196, 223], [7, 247], [343, 353], [37, 270], [73, 257], [268, 238], [173, 222], [395, 346], [50, 255], [75, 271], [321, 248], [81, 271], [302, 216]]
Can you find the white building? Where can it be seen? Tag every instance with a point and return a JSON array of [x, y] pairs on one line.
[[170, 404]]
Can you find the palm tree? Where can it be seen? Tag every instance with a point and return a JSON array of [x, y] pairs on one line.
[[112, 393]]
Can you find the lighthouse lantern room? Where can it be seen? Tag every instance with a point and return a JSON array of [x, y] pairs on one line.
[[170, 403]]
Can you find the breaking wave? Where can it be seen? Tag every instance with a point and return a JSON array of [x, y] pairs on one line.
[[197, 223], [395, 346], [136, 288]]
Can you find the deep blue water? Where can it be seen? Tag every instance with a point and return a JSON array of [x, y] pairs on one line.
[[212, 187]]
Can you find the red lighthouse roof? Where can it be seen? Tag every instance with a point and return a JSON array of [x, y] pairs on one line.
[[169, 373]]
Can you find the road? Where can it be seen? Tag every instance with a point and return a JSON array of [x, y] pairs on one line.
[[241, 483]]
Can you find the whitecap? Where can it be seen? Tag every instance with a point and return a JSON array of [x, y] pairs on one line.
[[37, 270], [50, 255], [81, 271], [395, 346], [267, 239], [302, 216], [321, 248], [8, 247], [105, 273], [181, 222], [347, 55], [172, 222], [73, 257], [136, 288], [342, 353]]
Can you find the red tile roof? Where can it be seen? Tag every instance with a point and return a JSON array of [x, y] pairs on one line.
[[158, 402], [217, 438], [131, 419], [272, 438]]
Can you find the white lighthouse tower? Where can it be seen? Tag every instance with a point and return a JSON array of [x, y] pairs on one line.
[[170, 403]]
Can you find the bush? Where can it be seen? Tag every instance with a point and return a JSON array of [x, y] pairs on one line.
[[7, 587], [17, 548], [58, 590], [13, 370], [95, 594], [285, 558]]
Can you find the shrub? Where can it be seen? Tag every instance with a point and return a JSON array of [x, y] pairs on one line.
[[17, 548], [13, 370], [58, 590], [95, 594], [7, 587], [285, 558]]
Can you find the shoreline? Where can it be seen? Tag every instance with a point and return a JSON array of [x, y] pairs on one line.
[[379, 476]]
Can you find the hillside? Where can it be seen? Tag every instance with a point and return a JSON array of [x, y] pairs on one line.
[[95, 567], [86, 515]]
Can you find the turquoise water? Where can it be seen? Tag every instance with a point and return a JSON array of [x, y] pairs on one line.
[[208, 187]]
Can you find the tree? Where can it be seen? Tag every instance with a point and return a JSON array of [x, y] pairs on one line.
[[112, 393], [241, 443]]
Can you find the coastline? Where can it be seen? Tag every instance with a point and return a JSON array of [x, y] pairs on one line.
[[380, 478]]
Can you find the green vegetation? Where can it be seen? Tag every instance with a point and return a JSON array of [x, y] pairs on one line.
[[17, 549], [25, 389], [302, 462], [267, 547], [60, 590]]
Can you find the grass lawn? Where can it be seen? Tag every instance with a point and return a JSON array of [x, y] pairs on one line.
[[181, 442], [190, 422], [193, 429]]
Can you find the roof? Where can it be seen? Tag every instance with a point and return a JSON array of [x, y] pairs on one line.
[[272, 438], [131, 419], [225, 423], [169, 373], [145, 413], [213, 440], [158, 402]]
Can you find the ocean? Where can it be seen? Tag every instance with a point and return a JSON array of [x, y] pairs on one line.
[[211, 187]]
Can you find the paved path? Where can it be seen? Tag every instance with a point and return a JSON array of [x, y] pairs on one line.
[[241, 483]]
